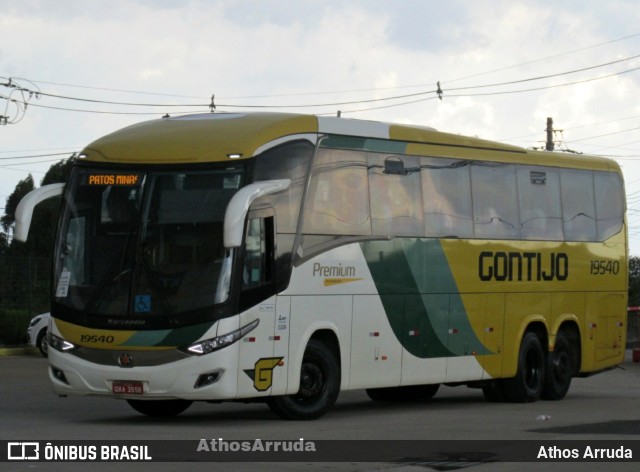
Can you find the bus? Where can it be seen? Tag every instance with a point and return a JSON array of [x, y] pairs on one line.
[[284, 258]]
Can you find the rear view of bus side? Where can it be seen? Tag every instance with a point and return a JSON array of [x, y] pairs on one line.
[[284, 258]]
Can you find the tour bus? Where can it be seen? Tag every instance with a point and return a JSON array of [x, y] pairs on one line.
[[283, 258]]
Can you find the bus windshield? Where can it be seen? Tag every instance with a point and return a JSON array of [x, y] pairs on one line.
[[142, 244]]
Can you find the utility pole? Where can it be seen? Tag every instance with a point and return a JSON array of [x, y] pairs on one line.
[[550, 144]]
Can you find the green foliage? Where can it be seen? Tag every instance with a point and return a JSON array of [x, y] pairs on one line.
[[58, 172], [25, 268], [4, 243], [22, 188], [13, 326]]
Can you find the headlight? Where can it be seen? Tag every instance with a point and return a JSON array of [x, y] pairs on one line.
[[34, 321], [205, 347], [60, 344]]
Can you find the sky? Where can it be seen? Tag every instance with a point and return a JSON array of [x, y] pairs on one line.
[[503, 66]]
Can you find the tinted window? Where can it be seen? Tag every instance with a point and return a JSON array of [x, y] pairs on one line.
[[578, 205], [539, 203], [446, 192], [288, 161], [338, 199], [609, 204], [396, 195], [495, 206]]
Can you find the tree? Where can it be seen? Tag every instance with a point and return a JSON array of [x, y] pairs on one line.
[[22, 188], [58, 172], [4, 243], [45, 214], [25, 269]]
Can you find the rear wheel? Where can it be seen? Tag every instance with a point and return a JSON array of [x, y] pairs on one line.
[[319, 386], [527, 385], [409, 393], [559, 370], [160, 408]]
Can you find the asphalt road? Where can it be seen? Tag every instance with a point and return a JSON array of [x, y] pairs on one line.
[[606, 406]]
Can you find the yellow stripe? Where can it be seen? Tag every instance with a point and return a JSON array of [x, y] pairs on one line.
[[338, 281], [94, 338]]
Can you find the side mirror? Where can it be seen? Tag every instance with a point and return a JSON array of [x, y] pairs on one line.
[[239, 206], [24, 211]]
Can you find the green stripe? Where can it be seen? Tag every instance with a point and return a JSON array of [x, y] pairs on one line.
[[420, 297], [169, 337], [364, 144]]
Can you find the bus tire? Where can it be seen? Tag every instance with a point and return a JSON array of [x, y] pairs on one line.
[[527, 385], [559, 370], [409, 393], [160, 408], [319, 386]]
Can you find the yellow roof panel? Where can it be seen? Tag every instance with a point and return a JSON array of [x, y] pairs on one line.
[[197, 138]]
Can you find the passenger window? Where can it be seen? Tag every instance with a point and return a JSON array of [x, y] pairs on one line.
[[495, 201], [609, 204], [578, 205], [291, 161], [338, 201], [446, 192], [539, 203], [396, 195]]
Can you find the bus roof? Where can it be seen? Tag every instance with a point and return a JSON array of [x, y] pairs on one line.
[[214, 137]]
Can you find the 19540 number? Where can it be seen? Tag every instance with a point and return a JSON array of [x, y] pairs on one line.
[[86, 338], [605, 267]]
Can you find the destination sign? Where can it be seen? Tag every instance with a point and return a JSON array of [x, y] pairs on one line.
[[113, 179]]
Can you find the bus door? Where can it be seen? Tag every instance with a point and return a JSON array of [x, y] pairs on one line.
[[260, 361]]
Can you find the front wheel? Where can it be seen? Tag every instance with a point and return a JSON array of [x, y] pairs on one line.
[[160, 408], [319, 386], [527, 385]]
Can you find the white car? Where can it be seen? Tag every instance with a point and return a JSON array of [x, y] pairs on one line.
[[37, 332]]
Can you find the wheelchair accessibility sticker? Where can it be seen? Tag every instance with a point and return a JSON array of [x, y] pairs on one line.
[[142, 304]]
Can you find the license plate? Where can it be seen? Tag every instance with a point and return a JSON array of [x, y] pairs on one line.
[[127, 387]]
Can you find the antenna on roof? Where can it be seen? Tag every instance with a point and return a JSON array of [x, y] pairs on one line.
[[339, 114]]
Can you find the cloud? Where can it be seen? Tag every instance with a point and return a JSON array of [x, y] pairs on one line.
[[292, 52]]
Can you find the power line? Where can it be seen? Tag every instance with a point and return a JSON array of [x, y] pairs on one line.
[[599, 123], [546, 58], [606, 134], [548, 76], [375, 89], [9, 166], [500, 93], [87, 111], [29, 171], [507, 92], [337, 103], [35, 156], [38, 150]]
